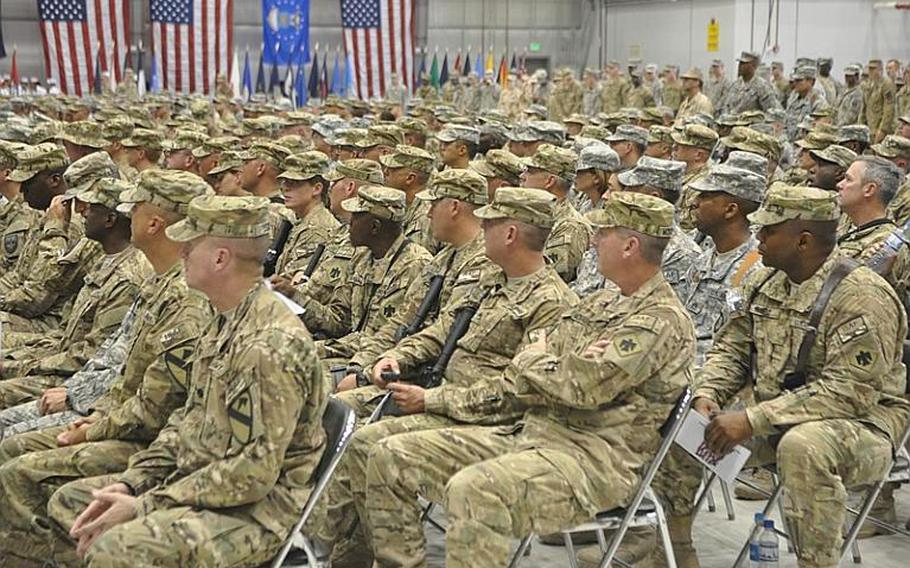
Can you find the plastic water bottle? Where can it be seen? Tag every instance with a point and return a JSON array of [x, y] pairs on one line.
[[768, 546], [754, 551]]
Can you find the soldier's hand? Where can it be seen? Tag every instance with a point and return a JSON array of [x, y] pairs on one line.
[[59, 209], [52, 401], [73, 435], [282, 285], [347, 383], [384, 365], [596, 349], [726, 430], [705, 406], [113, 508], [408, 398]]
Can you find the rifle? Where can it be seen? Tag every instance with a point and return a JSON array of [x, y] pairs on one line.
[[314, 262], [270, 261], [429, 303]]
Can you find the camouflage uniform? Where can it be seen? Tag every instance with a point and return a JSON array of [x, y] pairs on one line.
[[879, 104], [615, 93], [697, 136], [416, 223], [592, 100], [513, 100], [511, 312], [799, 108], [639, 97], [716, 88], [316, 227], [559, 468], [17, 220], [850, 107], [226, 478], [673, 95], [698, 104], [757, 94], [838, 430], [565, 100], [375, 289]]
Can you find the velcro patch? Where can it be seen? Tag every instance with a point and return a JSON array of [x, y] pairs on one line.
[[240, 414], [178, 363], [852, 329]]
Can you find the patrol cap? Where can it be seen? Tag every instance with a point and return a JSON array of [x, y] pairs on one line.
[[537, 110], [665, 175], [905, 119], [409, 124], [382, 135], [695, 135], [83, 133], [299, 118], [693, 73], [361, 169], [411, 157], [749, 57], [596, 132], [804, 62], [816, 140], [825, 61], [215, 145], [184, 139], [453, 132], [35, 159], [45, 132], [379, 201], [751, 161], [734, 181], [347, 137], [553, 159], [463, 185], [639, 212], [500, 164], [659, 133], [717, 63], [168, 189], [750, 140], [835, 154], [598, 157], [227, 161], [105, 191], [143, 138], [576, 119], [853, 70], [116, 128], [81, 174], [785, 202], [7, 155], [235, 217], [531, 206], [893, 146], [854, 133], [875, 63], [804, 72], [267, 151], [629, 133], [295, 143], [305, 165]]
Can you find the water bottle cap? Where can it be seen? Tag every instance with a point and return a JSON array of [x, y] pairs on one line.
[[759, 518], [769, 523]]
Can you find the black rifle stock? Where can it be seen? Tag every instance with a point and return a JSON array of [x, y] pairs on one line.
[[429, 303], [270, 261]]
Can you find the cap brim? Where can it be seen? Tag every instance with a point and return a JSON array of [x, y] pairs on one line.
[[389, 161], [482, 168], [182, 232], [296, 176], [489, 212], [88, 196], [354, 205], [600, 218], [126, 208], [878, 149], [428, 195], [765, 218], [197, 153], [20, 176], [628, 178]]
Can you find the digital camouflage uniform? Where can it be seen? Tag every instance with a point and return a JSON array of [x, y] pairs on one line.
[[375, 288], [316, 227], [838, 430], [850, 104], [589, 429], [226, 478], [697, 136], [757, 94], [894, 146], [511, 313], [879, 105]]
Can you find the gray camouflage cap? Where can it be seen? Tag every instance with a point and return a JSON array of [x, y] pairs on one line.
[[453, 132], [665, 175], [598, 157], [411, 157], [548, 131], [854, 133], [734, 181], [629, 133], [755, 163]]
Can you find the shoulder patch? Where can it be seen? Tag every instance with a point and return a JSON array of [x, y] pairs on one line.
[[174, 335], [644, 321], [240, 414], [178, 362], [852, 329], [469, 276]]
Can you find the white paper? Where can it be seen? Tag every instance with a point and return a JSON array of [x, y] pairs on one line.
[[295, 308], [692, 439]]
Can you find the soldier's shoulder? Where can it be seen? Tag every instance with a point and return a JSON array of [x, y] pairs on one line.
[[136, 269]]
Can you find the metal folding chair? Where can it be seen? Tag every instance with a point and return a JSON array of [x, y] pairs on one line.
[[643, 510], [338, 422]]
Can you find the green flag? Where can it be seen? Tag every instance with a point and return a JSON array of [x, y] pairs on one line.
[[434, 73]]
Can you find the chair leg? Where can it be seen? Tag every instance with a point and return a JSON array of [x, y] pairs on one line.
[[709, 494], [857, 555], [783, 518], [520, 551], [728, 501], [858, 522], [665, 540], [570, 548], [705, 493], [744, 551]]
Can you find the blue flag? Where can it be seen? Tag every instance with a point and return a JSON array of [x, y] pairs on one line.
[[285, 27], [313, 84], [337, 86], [300, 87], [247, 86], [154, 79], [478, 66], [260, 75]]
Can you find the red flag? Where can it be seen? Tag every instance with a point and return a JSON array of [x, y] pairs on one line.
[[457, 66], [379, 35], [503, 72], [14, 72]]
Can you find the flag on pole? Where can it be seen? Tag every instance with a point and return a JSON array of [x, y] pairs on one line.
[[337, 86], [514, 65], [324, 78], [274, 80], [457, 66], [434, 72], [478, 65], [380, 34], [192, 42], [349, 85], [2, 48], [444, 72], [467, 64], [503, 75], [490, 63], [260, 75], [154, 75], [423, 66], [71, 30], [14, 78], [286, 31], [313, 84], [235, 76], [247, 88], [300, 87], [96, 79], [112, 77]]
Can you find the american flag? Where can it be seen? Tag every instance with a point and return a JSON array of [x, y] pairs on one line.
[[193, 41], [379, 34], [75, 33]]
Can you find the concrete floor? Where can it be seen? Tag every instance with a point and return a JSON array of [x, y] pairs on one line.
[[718, 540]]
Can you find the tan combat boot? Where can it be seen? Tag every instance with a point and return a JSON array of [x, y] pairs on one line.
[[635, 549], [883, 510]]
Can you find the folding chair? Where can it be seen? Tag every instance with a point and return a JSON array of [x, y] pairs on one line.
[[338, 422], [707, 494], [643, 510]]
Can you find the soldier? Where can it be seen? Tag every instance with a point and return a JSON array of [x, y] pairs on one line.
[[414, 130], [660, 143], [178, 151], [110, 287], [663, 178], [850, 377], [903, 126], [380, 140], [380, 271], [831, 87], [879, 102], [209, 153], [262, 164], [566, 98], [717, 84], [902, 98], [488, 92], [615, 88], [305, 190], [142, 149], [893, 69], [801, 102], [850, 103], [553, 169], [639, 94], [695, 101], [749, 140], [854, 136], [673, 90], [692, 145], [500, 168], [409, 169], [453, 196], [896, 149], [225, 178], [652, 82], [525, 139], [749, 92], [830, 165], [592, 96], [513, 98], [629, 142], [458, 145], [16, 219], [257, 341], [591, 362], [81, 138], [397, 92], [780, 82]]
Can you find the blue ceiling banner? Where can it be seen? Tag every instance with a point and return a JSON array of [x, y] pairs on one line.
[[286, 31]]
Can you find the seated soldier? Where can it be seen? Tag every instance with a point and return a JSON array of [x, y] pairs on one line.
[[16, 218], [225, 481], [829, 417], [409, 169], [513, 305], [595, 389]]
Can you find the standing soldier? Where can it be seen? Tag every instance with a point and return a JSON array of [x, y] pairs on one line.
[[513, 98], [673, 91], [780, 82], [831, 87], [879, 102], [592, 97], [903, 95], [488, 92], [717, 84], [397, 92], [802, 102], [749, 92], [850, 104], [566, 98], [615, 88], [639, 96], [696, 102]]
